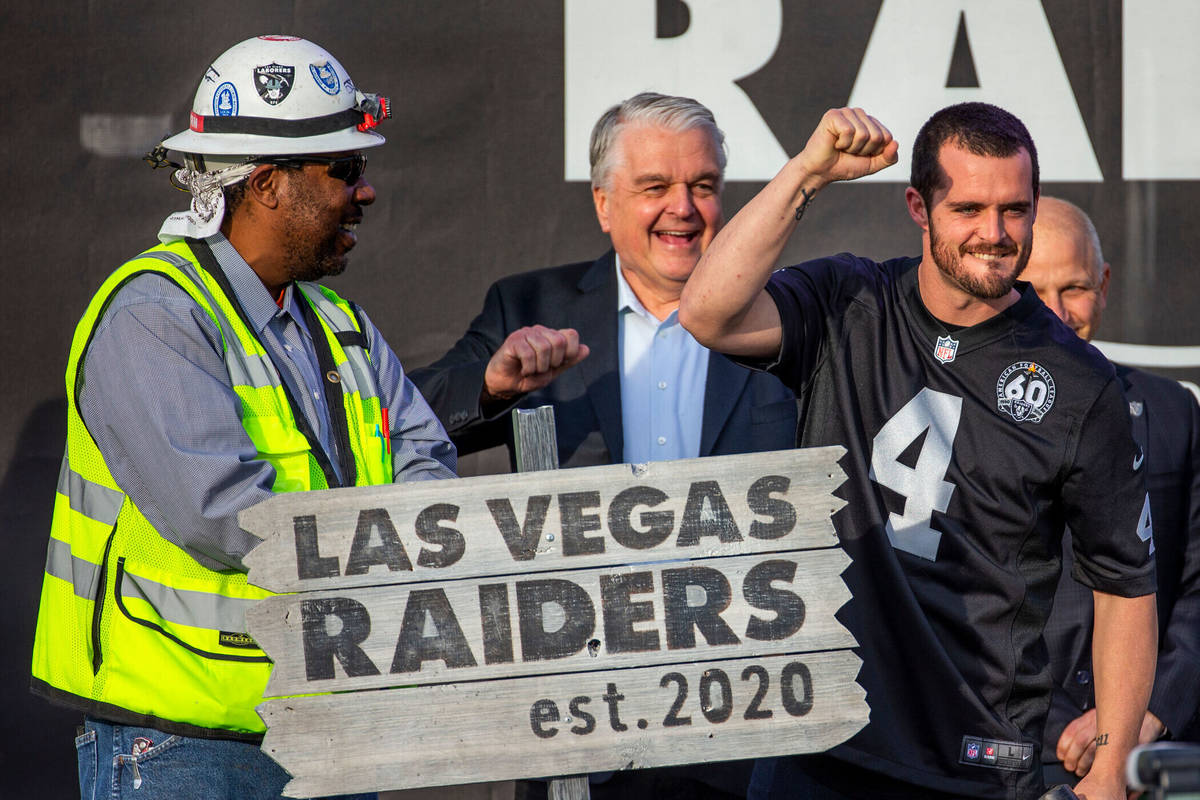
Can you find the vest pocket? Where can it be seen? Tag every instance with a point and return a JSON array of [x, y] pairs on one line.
[[202, 622], [98, 604]]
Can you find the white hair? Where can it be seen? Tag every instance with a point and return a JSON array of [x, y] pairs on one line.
[[650, 108]]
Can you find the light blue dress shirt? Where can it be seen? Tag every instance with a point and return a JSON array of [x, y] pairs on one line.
[[663, 375]]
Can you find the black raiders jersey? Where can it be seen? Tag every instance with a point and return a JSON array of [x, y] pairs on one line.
[[968, 451]]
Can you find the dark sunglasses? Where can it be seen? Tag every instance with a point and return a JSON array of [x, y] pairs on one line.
[[345, 168]]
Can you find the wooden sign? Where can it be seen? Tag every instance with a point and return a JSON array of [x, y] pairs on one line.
[[554, 622], [531, 727], [539, 521]]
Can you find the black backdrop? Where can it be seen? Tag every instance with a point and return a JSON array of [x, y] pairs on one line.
[[470, 187]]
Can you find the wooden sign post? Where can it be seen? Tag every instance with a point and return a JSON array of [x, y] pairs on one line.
[[536, 449], [551, 623]]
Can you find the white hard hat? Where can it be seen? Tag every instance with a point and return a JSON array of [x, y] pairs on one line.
[[279, 95]]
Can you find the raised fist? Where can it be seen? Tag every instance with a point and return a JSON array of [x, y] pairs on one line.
[[847, 144], [529, 359]]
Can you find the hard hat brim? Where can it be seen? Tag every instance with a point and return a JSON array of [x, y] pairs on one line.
[[190, 141]]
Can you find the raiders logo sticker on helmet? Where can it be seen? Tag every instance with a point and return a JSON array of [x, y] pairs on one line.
[[1025, 391], [274, 82]]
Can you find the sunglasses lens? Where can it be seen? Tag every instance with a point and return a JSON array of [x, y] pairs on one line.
[[348, 169]]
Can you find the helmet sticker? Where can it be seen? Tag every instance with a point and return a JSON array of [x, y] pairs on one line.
[[1025, 391], [326, 77], [225, 101], [274, 82]]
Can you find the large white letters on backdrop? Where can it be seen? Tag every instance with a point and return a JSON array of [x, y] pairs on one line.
[[901, 79], [612, 53]]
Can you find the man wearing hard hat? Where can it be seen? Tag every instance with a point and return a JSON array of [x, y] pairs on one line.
[[206, 374]]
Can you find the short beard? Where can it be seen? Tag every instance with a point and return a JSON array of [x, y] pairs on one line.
[[314, 267], [992, 285], [309, 255]]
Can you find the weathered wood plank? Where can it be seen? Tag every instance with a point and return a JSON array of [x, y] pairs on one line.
[[552, 520], [536, 446], [526, 727], [534, 439], [572, 788], [572, 621]]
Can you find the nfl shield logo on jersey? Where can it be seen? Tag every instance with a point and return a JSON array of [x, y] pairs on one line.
[[945, 349], [1025, 391]]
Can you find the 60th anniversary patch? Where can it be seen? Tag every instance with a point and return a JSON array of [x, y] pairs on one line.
[[1025, 391]]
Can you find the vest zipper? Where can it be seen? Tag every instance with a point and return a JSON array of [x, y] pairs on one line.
[[98, 603]]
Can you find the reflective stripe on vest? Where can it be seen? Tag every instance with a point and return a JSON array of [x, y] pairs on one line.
[[196, 609], [90, 499], [167, 639]]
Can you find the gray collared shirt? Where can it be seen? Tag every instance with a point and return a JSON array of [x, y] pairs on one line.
[[158, 400]]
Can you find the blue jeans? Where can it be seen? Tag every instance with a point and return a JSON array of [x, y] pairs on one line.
[[123, 761]]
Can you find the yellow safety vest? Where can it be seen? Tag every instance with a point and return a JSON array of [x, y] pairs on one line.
[[132, 628]]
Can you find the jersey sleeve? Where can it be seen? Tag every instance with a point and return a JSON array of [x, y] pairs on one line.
[[1106, 505], [806, 296]]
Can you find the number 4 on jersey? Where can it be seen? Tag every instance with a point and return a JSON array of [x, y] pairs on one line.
[[1145, 529], [922, 486]]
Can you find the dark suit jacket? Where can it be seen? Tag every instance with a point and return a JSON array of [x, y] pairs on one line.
[[744, 411], [1166, 425]]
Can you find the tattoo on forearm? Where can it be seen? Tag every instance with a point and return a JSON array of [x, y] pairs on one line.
[[808, 196], [1102, 739]]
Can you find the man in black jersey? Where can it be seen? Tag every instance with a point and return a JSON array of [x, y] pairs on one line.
[[1068, 271], [977, 425]]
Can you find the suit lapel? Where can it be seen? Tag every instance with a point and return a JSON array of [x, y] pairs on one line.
[[593, 314], [723, 386]]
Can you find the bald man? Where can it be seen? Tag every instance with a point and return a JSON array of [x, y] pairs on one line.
[[1068, 270]]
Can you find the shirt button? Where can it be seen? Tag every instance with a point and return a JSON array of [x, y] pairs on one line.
[[662, 440], [662, 384], [287, 347], [1083, 677], [663, 334]]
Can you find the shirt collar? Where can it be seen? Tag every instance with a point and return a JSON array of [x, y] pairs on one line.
[[253, 297], [627, 300]]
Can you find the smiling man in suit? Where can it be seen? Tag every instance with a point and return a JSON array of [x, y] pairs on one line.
[[644, 389], [600, 342]]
